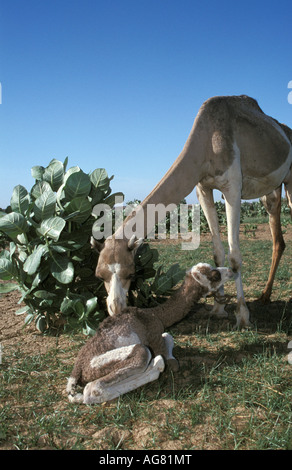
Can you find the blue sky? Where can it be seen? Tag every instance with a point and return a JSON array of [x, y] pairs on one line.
[[117, 83]]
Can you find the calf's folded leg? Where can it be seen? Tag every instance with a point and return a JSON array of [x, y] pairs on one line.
[[129, 367]]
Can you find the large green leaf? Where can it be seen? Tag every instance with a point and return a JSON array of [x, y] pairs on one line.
[[67, 306], [13, 224], [5, 254], [37, 172], [52, 227], [44, 205], [78, 210], [145, 255], [20, 199], [8, 269], [62, 268], [39, 188], [73, 305], [42, 273], [88, 330], [176, 273], [54, 174], [78, 184], [73, 169], [65, 163], [96, 196], [44, 294], [164, 282], [41, 323], [100, 179], [12, 248], [33, 261], [79, 308], [8, 287], [91, 305], [75, 240], [23, 310]]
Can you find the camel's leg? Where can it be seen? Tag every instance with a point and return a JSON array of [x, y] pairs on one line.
[[205, 197], [170, 359], [272, 203], [288, 189], [127, 374], [233, 204]]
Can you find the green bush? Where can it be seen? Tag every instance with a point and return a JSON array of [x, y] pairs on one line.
[[49, 254], [152, 285]]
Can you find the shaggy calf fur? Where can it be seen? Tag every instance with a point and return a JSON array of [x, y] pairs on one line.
[[130, 349]]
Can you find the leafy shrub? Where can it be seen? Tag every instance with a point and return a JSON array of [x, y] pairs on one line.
[[159, 284], [49, 255]]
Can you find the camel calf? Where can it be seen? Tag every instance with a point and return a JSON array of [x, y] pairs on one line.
[[130, 349]]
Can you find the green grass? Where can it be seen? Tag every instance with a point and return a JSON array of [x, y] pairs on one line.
[[234, 395], [256, 256], [233, 389]]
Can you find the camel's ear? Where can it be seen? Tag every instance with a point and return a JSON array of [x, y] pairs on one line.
[[95, 245], [134, 243], [200, 278]]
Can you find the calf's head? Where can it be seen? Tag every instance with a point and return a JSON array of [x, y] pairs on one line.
[[116, 268], [211, 278]]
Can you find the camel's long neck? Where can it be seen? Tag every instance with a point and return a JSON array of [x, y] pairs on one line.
[[179, 181], [179, 304]]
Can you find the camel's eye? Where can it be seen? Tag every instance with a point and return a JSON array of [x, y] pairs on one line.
[[215, 275]]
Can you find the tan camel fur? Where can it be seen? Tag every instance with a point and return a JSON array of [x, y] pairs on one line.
[[130, 349], [272, 203], [116, 268], [233, 147]]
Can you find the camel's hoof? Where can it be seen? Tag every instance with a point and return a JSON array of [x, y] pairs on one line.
[[265, 298]]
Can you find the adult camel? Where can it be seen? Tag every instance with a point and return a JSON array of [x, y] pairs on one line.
[[233, 147]]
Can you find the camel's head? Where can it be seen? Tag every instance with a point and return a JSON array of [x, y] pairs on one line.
[[211, 278], [116, 268]]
